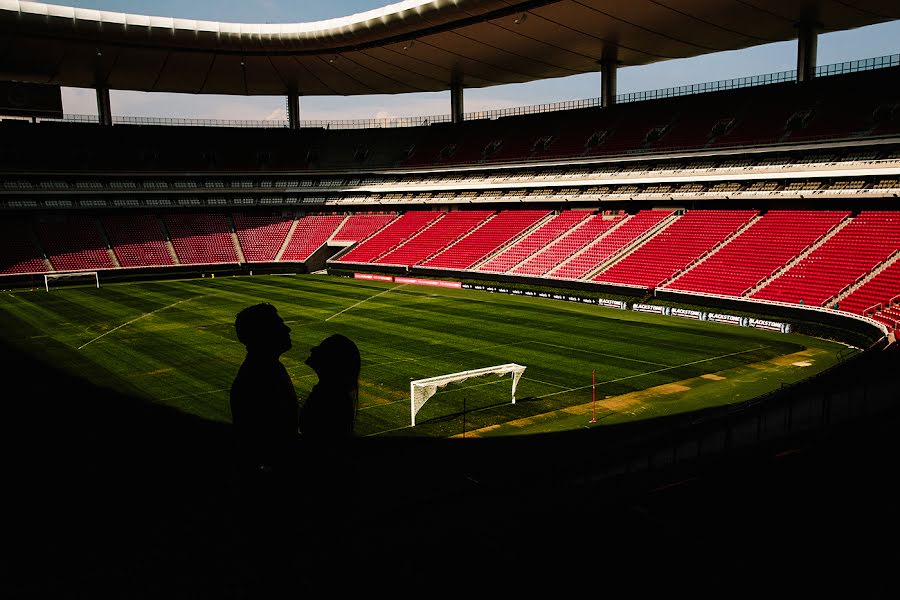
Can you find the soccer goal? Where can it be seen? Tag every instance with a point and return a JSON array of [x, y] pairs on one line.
[[78, 278], [421, 390]]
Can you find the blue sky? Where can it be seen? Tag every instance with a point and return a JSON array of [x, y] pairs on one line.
[[866, 42]]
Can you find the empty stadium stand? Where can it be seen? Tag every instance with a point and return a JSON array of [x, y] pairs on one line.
[[444, 231], [610, 243], [752, 256], [844, 259], [309, 234], [676, 247], [774, 193], [261, 235], [73, 243], [200, 237], [137, 240], [497, 231]]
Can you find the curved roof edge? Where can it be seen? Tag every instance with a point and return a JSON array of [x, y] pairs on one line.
[[405, 47]]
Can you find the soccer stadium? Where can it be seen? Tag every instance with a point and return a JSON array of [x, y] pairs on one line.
[[642, 343]]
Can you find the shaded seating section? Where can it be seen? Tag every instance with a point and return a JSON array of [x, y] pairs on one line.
[[879, 297], [18, 254], [444, 232], [496, 232], [358, 227], [73, 243], [453, 143], [841, 107], [261, 235], [200, 237], [760, 115], [311, 233], [697, 120], [137, 240], [752, 257], [633, 126], [765, 112], [867, 241], [565, 246], [391, 235], [674, 248], [609, 244], [534, 241]]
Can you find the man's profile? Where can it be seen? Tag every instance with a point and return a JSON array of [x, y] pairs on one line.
[[264, 408]]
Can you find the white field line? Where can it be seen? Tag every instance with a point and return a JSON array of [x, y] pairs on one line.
[[648, 362], [138, 319], [366, 300], [545, 382], [687, 364]]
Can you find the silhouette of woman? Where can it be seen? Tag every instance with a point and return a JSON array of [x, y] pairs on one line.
[[329, 413], [327, 430]]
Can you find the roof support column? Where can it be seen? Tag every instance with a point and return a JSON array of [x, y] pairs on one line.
[[456, 103], [104, 109], [807, 43], [608, 67], [293, 109]]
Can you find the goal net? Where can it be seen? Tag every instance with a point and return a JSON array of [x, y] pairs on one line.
[[421, 390], [55, 280]]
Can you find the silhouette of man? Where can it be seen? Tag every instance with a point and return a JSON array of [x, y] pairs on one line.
[[264, 412], [264, 407]]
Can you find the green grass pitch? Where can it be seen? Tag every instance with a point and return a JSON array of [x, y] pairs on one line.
[[173, 343]]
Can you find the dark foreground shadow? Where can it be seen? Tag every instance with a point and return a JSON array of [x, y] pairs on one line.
[[105, 495]]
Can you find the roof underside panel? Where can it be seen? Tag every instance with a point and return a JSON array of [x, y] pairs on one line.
[[409, 46]]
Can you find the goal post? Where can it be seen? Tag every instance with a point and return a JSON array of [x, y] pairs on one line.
[[421, 390], [73, 276]]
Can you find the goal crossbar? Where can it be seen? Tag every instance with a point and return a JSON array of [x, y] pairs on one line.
[[48, 277], [421, 390]]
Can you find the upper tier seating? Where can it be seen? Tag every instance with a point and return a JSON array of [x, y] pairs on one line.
[[310, 234], [752, 257], [868, 240], [73, 243], [534, 241], [443, 232], [392, 234], [261, 235], [684, 241], [760, 114], [496, 232], [609, 244], [566, 245], [137, 240], [18, 254], [200, 237]]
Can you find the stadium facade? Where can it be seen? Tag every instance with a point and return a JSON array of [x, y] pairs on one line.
[[774, 194]]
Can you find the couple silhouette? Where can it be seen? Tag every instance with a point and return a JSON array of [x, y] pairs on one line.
[[293, 461]]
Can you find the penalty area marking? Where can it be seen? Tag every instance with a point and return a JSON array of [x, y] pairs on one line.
[[138, 319], [687, 364], [366, 300]]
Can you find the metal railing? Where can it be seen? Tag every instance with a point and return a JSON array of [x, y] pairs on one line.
[[842, 68]]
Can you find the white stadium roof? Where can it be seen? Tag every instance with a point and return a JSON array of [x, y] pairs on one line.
[[410, 46]]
